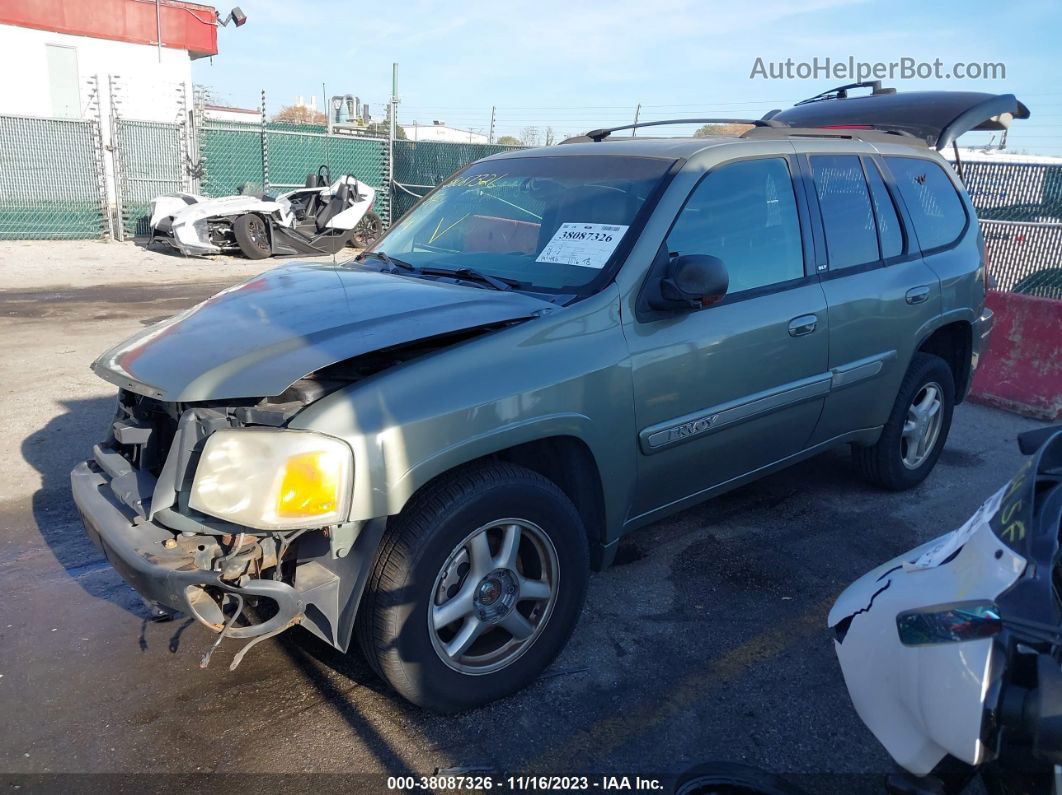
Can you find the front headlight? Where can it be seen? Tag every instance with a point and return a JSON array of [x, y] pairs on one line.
[[273, 479]]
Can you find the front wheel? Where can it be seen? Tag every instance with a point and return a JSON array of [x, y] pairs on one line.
[[476, 587], [252, 235], [914, 436]]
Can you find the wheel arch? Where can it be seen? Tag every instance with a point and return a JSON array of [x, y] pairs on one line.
[[564, 457], [952, 341]]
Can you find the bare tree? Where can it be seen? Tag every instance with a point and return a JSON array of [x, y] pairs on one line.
[[530, 136], [733, 130], [550, 136]]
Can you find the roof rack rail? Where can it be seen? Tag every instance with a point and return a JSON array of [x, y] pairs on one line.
[[602, 134], [841, 92], [847, 132]]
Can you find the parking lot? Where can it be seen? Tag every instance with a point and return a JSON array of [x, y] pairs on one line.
[[707, 639]]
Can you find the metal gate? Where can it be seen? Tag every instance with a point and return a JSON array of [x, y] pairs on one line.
[[51, 176], [150, 157], [149, 163]]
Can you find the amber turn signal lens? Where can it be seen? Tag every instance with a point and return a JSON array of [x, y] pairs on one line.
[[310, 486]]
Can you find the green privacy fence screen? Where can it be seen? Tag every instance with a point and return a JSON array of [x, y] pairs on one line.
[[421, 165], [1015, 191], [150, 163], [230, 157], [1019, 206], [50, 179], [235, 158]]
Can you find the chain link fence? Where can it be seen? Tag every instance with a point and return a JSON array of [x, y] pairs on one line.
[[59, 180], [240, 158], [151, 156], [421, 165], [51, 175], [49, 188], [230, 158], [1022, 255], [1026, 192], [1019, 206], [150, 164]]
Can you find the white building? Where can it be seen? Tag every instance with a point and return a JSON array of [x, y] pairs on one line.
[[50, 49], [978, 155], [94, 59], [231, 114], [438, 131]]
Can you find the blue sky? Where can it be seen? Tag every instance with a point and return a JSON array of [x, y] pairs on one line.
[[573, 66]]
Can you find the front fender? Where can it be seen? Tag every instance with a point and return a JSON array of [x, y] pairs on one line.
[[573, 425], [561, 375]]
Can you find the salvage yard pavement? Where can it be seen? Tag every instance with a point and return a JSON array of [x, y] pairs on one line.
[[706, 640]]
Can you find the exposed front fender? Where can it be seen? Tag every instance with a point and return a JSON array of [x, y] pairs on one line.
[[562, 374], [574, 425]]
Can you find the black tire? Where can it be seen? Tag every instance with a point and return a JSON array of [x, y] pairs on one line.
[[367, 230], [732, 778], [252, 235], [392, 624], [883, 463]]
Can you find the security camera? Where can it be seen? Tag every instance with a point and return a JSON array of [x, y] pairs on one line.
[[236, 15]]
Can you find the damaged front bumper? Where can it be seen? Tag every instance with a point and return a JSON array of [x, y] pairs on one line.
[[191, 239], [164, 572]]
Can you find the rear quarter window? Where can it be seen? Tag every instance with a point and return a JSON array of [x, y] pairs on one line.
[[936, 210]]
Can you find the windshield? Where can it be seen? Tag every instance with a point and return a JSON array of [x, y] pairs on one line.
[[545, 222]]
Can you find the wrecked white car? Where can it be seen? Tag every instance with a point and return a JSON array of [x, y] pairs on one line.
[[320, 218]]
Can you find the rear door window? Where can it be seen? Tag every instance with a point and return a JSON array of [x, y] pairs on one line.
[[890, 233], [936, 210], [745, 213], [847, 216]]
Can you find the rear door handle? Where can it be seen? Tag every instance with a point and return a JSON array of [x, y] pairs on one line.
[[805, 324], [918, 295]]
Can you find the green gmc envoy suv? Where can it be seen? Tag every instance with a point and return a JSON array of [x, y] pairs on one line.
[[425, 450]]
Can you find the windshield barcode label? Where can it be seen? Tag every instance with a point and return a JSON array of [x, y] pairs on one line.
[[583, 245]]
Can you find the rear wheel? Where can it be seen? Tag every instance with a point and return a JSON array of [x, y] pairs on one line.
[[369, 228], [917, 428], [476, 587], [252, 235]]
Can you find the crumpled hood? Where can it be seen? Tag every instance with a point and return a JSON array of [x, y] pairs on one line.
[[257, 338]]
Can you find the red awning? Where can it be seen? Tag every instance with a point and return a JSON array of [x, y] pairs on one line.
[[185, 26]]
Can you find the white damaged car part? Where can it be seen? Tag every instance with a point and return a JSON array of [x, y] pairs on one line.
[[951, 652], [318, 219]]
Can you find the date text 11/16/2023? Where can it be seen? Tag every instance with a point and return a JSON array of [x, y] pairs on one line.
[[486, 782]]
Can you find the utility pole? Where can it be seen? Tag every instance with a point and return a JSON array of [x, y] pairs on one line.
[[327, 109], [158, 27], [490, 138], [637, 113], [392, 134]]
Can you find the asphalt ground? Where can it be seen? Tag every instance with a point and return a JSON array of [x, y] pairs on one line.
[[706, 641]]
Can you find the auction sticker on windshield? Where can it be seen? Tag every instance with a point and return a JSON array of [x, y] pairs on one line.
[[585, 245]]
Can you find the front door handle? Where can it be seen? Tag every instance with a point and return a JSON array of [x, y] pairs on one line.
[[805, 324], [917, 295]]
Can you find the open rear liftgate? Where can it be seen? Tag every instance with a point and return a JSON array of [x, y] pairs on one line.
[[932, 118]]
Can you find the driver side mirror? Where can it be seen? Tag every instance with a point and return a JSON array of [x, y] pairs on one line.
[[690, 282]]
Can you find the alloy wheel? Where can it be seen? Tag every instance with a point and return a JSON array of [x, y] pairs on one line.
[[921, 429], [493, 596]]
